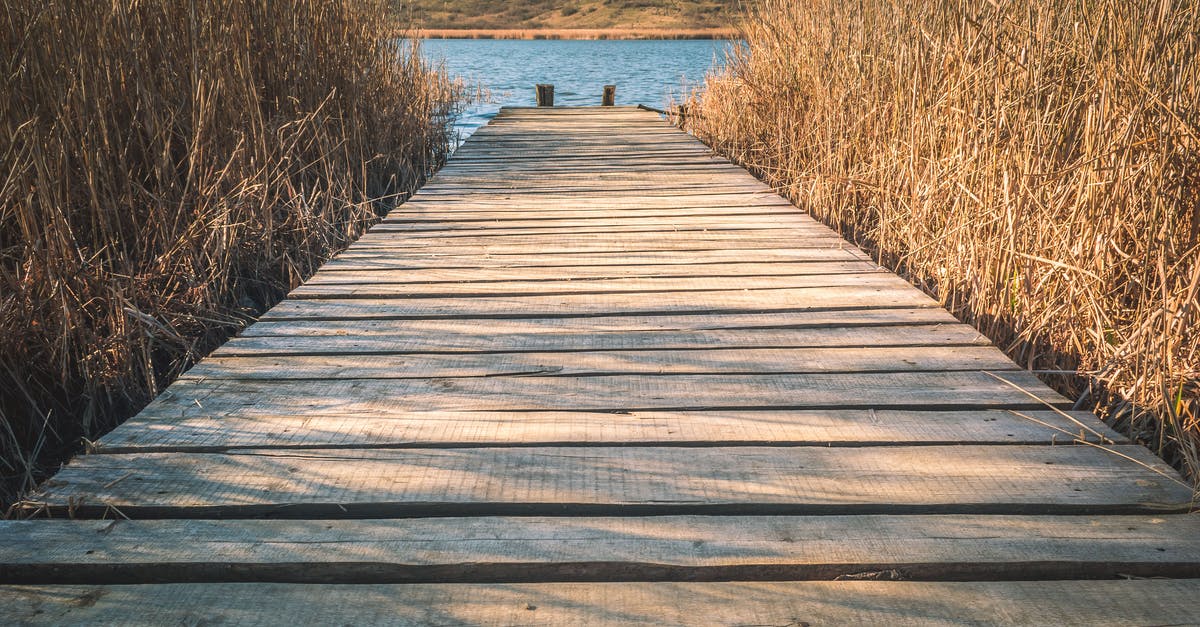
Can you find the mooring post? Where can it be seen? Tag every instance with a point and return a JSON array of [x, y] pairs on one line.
[[545, 95], [610, 96]]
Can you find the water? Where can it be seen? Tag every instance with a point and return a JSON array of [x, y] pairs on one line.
[[645, 72]]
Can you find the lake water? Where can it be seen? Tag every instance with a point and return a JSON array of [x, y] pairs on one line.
[[645, 72]]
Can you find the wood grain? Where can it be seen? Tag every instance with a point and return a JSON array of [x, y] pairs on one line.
[[1068, 603], [605, 481], [693, 548], [383, 425]]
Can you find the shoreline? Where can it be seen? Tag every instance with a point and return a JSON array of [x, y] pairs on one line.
[[586, 34]]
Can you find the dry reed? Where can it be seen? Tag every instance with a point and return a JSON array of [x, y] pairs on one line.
[[172, 168], [1035, 166]]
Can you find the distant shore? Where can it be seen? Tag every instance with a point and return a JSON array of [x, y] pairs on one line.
[[577, 33]]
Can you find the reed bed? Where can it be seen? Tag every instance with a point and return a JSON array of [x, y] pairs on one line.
[[1035, 166], [171, 169]]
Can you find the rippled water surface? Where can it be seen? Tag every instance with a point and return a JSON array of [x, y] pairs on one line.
[[645, 72]]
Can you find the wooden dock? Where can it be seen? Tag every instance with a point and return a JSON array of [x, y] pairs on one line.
[[593, 374]]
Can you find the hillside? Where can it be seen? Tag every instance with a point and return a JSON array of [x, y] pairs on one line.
[[570, 14]]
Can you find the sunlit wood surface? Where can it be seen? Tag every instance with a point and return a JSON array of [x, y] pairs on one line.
[[593, 374]]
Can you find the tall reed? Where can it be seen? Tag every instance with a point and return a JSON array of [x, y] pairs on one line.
[[171, 168], [1034, 165]]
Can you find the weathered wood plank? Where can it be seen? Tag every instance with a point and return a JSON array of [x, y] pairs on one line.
[[853, 321], [509, 216], [594, 184], [605, 362], [607, 169], [414, 259], [775, 238], [426, 230], [617, 205], [690, 165], [687, 548], [629, 180], [530, 249], [591, 304], [601, 481], [580, 273], [443, 336], [379, 289], [1068, 603], [613, 393], [382, 425], [580, 190], [582, 195]]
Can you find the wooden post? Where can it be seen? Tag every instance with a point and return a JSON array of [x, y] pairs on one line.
[[610, 96], [545, 95]]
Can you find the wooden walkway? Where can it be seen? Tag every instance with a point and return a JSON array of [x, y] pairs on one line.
[[592, 374]]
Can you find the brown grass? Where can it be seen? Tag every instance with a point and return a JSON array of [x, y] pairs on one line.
[[578, 33], [1036, 166], [172, 168]]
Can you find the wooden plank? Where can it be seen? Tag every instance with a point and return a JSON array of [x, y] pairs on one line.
[[1090, 603], [481, 246], [654, 156], [541, 236], [689, 165], [382, 425], [427, 230], [1100, 603], [565, 137], [679, 548], [873, 280], [531, 182], [442, 336], [575, 305], [530, 247], [550, 150], [599, 481], [626, 203], [355, 258], [510, 215], [580, 192], [698, 198], [569, 143], [436, 236], [606, 362], [692, 166], [899, 390], [581, 273], [699, 170], [580, 195], [853, 321], [621, 158], [692, 179]]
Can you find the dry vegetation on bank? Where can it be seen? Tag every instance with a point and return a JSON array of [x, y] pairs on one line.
[[170, 168], [560, 15], [1036, 166]]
